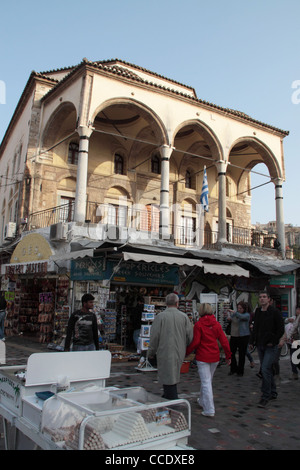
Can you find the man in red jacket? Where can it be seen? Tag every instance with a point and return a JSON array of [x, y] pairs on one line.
[[207, 333]]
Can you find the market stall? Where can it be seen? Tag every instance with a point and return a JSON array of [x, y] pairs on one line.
[[54, 404], [120, 289]]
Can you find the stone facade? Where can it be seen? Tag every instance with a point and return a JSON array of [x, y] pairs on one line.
[[120, 114]]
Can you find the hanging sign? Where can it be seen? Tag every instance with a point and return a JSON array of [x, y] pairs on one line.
[[283, 281], [88, 269]]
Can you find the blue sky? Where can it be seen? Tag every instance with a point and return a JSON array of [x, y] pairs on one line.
[[240, 54]]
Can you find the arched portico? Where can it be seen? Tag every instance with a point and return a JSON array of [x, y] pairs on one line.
[[244, 155]]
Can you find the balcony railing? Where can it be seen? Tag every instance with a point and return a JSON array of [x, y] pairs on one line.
[[42, 219], [147, 222]]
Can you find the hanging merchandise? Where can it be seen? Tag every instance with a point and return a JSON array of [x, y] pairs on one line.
[[110, 320], [11, 320], [46, 316], [62, 313], [222, 317]]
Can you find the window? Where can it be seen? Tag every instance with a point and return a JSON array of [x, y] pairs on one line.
[[187, 230], [117, 215], [119, 164], [188, 179], [66, 209], [149, 218], [73, 153], [155, 164]]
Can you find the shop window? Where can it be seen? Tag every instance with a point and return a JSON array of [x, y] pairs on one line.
[[73, 153]]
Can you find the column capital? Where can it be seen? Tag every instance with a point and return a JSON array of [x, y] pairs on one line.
[[85, 131], [166, 151], [278, 181], [221, 166]]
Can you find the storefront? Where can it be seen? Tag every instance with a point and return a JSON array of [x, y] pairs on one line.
[[37, 296], [121, 289], [284, 287]]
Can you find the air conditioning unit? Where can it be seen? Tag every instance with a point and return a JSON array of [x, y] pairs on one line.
[[59, 231], [10, 230], [112, 232]]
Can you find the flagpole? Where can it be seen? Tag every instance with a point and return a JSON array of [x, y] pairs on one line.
[[203, 206]]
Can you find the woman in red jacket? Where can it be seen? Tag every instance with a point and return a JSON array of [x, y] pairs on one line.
[[207, 332]]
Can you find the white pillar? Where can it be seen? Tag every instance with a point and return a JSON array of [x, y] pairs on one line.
[[221, 167], [279, 215], [82, 171], [164, 211]]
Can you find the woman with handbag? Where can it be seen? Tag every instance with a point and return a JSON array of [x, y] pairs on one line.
[[207, 333]]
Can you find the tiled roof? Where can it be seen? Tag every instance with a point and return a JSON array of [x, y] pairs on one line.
[[110, 63], [111, 66]]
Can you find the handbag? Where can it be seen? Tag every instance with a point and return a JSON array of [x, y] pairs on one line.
[[228, 329]]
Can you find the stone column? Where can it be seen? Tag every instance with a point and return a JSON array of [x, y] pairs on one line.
[[221, 167], [279, 215], [164, 210], [82, 171]]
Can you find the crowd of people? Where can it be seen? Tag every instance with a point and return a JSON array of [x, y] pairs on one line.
[[264, 328], [173, 338]]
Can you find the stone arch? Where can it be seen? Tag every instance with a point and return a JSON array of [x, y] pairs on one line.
[[206, 133], [115, 192], [267, 156], [68, 183], [147, 113], [60, 124], [262, 155]]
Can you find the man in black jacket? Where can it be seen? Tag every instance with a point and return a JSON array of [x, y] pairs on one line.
[[82, 327], [267, 330]]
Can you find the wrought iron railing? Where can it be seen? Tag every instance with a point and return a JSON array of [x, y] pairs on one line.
[[145, 220], [45, 218]]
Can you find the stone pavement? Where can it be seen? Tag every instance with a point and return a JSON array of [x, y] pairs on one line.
[[238, 424]]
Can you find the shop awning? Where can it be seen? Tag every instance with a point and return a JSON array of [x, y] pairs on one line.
[[225, 269], [72, 255], [162, 259]]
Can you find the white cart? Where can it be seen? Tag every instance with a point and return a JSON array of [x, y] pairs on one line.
[[88, 415]]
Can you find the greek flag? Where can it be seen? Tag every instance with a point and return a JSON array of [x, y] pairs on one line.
[[204, 192]]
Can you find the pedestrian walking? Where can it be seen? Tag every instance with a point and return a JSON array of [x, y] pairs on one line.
[[171, 333], [207, 333], [267, 330], [82, 329], [295, 344], [239, 342]]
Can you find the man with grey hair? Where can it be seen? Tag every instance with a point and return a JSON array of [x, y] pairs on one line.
[[171, 333]]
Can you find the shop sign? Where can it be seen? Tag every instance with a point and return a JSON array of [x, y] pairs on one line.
[[283, 281], [147, 273], [88, 269], [33, 247], [9, 296], [12, 270]]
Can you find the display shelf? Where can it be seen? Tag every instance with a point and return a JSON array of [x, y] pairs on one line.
[[223, 307], [114, 419]]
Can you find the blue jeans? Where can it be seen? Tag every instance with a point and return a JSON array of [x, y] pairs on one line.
[[78, 347], [2, 318], [267, 356]]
